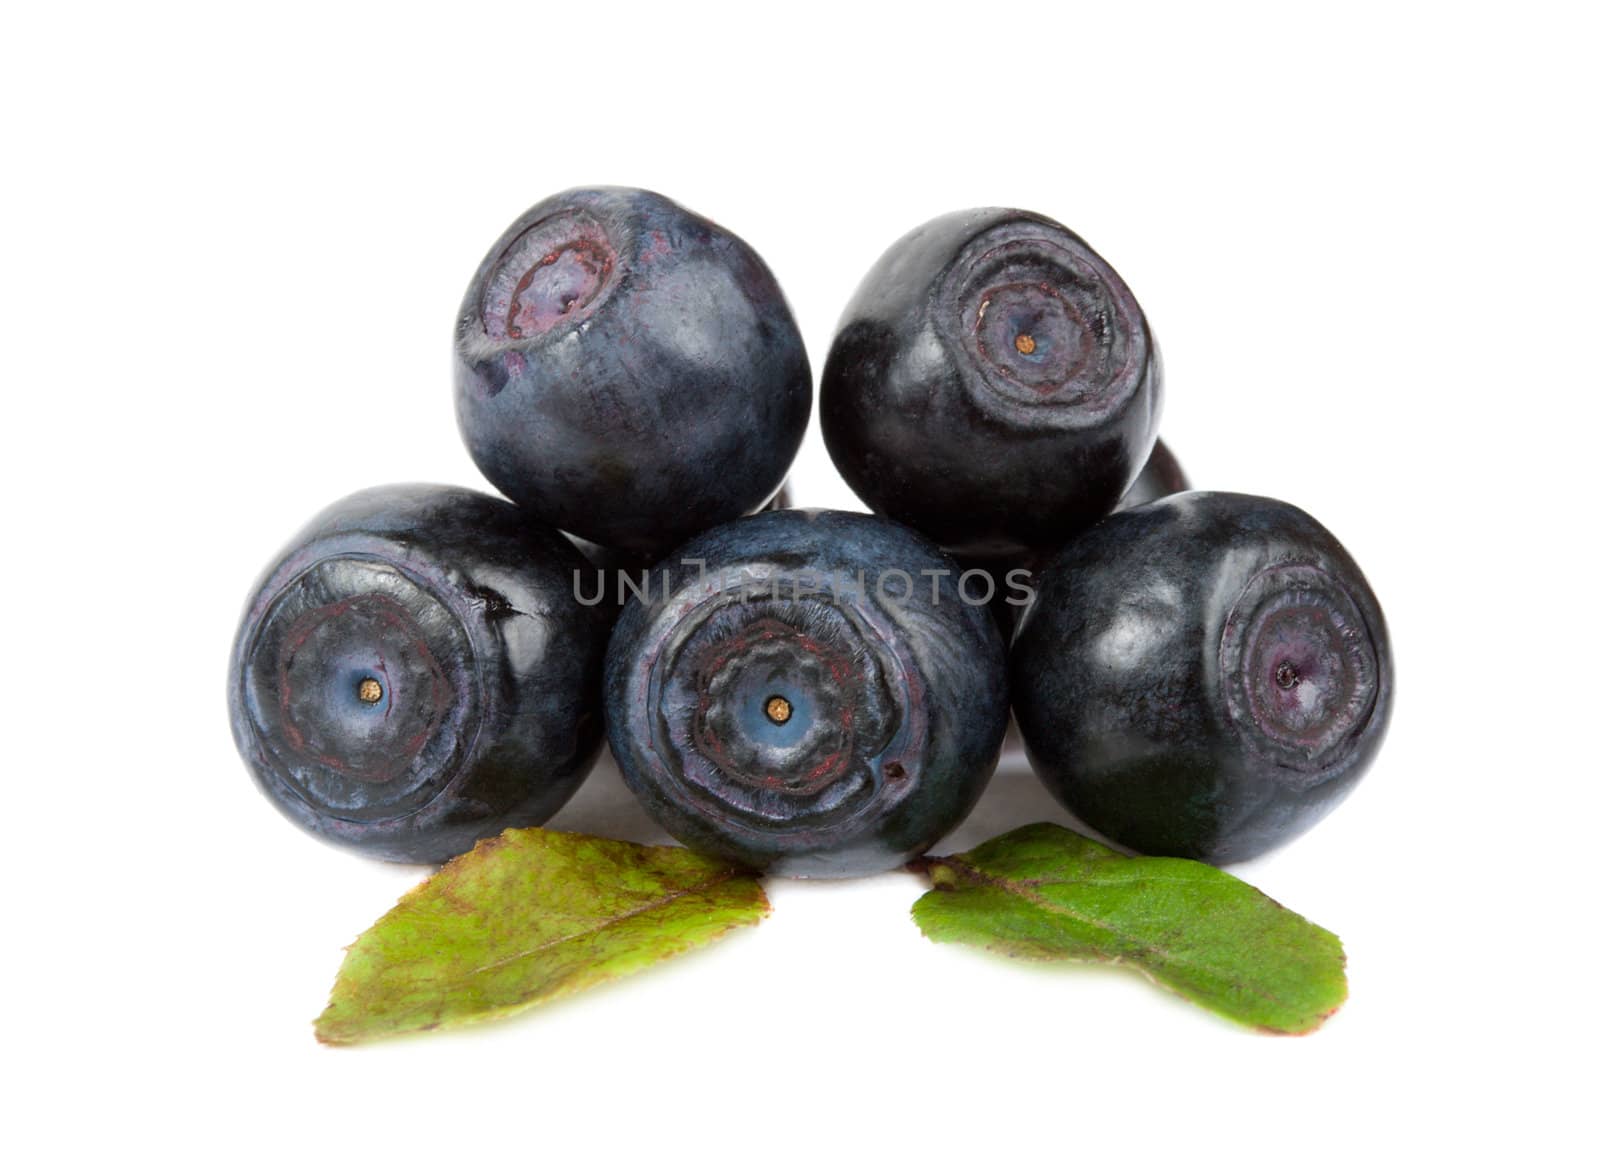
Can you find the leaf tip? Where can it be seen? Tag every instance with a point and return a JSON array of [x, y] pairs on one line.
[[330, 1033], [1309, 1027]]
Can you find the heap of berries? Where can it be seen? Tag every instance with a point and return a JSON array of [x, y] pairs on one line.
[[809, 693]]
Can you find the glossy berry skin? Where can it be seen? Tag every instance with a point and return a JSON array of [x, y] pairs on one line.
[[1005, 587], [618, 574], [1205, 676], [993, 384], [799, 707], [413, 673], [1161, 476], [1012, 576], [628, 371]]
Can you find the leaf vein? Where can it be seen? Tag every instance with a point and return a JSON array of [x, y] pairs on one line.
[[606, 923]]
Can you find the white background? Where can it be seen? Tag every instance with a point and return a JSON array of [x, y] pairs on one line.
[[233, 244]]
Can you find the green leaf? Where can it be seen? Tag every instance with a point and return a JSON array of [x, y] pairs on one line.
[[1045, 892], [526, 917]]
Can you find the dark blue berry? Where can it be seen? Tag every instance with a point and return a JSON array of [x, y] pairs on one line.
[[629, 371], [618, 574], [806, 693], [1205, 676], [414, 673], [993, 384], [1161, 476]]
